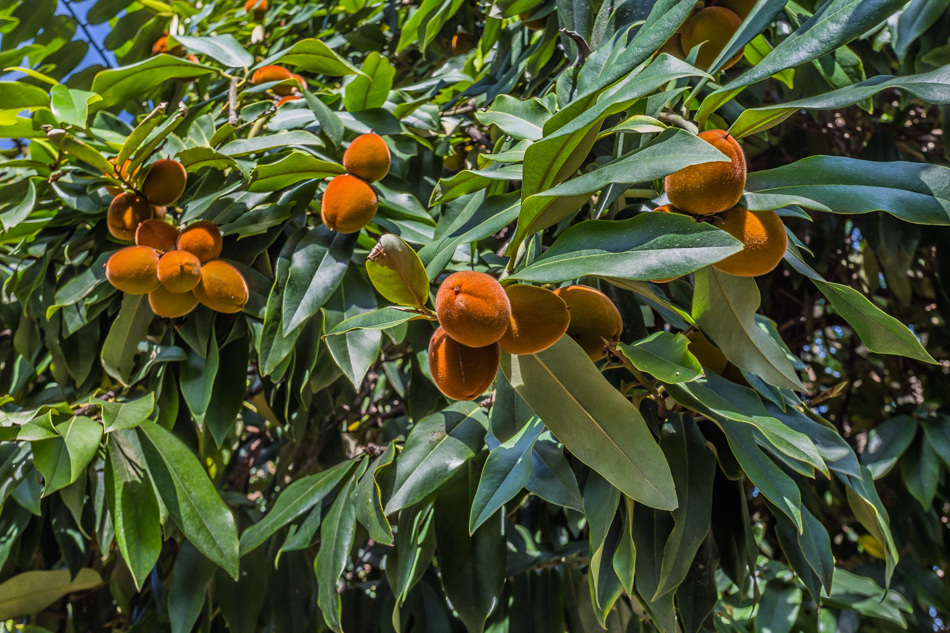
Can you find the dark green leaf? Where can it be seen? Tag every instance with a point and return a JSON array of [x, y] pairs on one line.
[[665, 356]]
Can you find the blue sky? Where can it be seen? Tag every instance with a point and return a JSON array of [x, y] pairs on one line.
[[98, 32]]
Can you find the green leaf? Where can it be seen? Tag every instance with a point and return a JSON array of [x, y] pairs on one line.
[[368, 500], [869, 511], [505, 473], [293, 501], [242, 601], [920, 470], [63, 459], [415, 545], [17, 95], [221, 48], [128, 330], [914, 192], [317, 268], [32, 591], [520, 119], [190, 497], [438, 445], [886, 443], [397, 272], [293, 168], [330, 123], [552, 478], [593, 420], [937, 433], [313, 56], [646, 247], [468, 181], [79, 149], [664, 355], [258, 144], [336, 537], [370, 89], [356, 350], [227, 392], [685, 446], [70, 106], [132, 505], [778, 609], [133, 82], [197, 376], [472, 567], [128, 414], [834, 24], [861, 594], [932, 87], [188, 589], [194, 159], [724, 307], [381, 319]]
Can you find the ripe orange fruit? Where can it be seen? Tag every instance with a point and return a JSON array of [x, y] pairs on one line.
[[713, 187], [473, 308]]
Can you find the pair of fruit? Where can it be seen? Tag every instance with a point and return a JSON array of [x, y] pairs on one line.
[[269, 74], [349, 202], [177, 270], [478, 319], [163, 185], [714, 188], [712, 27]]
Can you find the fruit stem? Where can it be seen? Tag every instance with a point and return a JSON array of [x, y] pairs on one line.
[[648, 384]]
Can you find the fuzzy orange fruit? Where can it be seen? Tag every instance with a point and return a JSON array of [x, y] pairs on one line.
[[348, 204], [712, 187], [368, 157], [459, 371], [134, 270], [473, 308], [538, 319], [763, 238], [595, 320]]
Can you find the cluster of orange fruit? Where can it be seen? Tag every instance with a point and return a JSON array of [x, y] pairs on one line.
[[478, 318], [163, 184], [178, 269], [713, 27], [713, 190], [349, 202], [284, 91]]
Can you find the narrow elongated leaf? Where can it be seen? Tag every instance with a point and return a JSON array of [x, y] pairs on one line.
[[724, 308], [133, 505], [369, 504], [551, 476], [317, 267], [646, 247], [355, 350], [190, 497], [336, 538], [313, 56], [887, 443], [778, 608], [506, 471], [288, 171], [381, 319], [920, 470], [132, 82], [121, 344], [221, 48], [188, 589], [914, 192], [851, 591], [467, 181], [593, 420], [685, 446], [296, 499], [436, 447], [665, 356]]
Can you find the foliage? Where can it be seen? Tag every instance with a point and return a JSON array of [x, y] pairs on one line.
[[292, 467]]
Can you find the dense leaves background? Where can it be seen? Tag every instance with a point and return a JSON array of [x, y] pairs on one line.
[[293, 468]]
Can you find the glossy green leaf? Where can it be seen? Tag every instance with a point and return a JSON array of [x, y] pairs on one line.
[[664, 355], [133, 505], [862, 594], [258, 144], [190, 497], [914, 192], [221, 48], [467, 181], [336, 538], [920, 470], [551, 476], [437, 446], [356, 350], [133, 81], [778, 609], [504, 475], [520, 119], [128, 329], [370, 89], [313, 56], [70, 106], [288, 171], [593, 420], [316, 269], [887, 442], [296, 499], [724, 308], [188, 589], [381, 319], [128, 414], [64, 459], [368, 500], [16, 95]]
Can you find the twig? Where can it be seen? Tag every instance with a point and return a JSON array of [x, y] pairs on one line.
[[92, 41], [232, 102]]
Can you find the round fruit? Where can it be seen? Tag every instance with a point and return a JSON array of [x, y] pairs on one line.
[[202, 239], [595, 320], [126, 212], [367, 157], [538, 319], [258, 7], [710, 187], [709, 356], [171, 304], [222, 288], [348, 204], [161, 46], [763, 240], [158, 234], [462, 43], [459, 371], [269, 74], [673, 47], [713, 28], [473, 308], [742, 8], [179, 271], [165, 182], [134, 270]]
